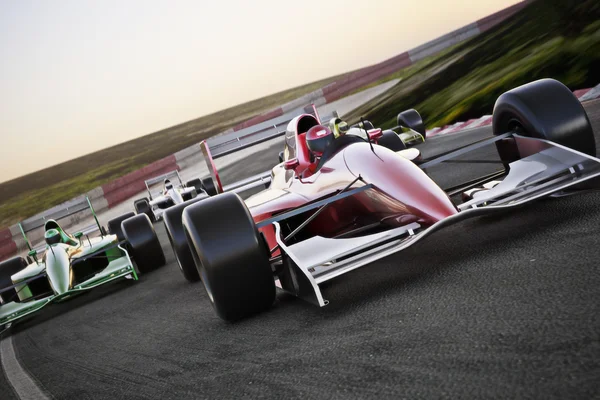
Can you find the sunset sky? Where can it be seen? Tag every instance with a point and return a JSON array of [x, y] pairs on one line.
[[79, 75]]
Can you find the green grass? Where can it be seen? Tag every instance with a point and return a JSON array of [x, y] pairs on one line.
[[549, 38]]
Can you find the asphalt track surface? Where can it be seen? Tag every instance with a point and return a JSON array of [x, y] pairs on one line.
[[502, 307]]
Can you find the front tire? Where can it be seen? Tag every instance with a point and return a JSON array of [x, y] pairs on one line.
[[230, 255], [543, 109], [143, 242]]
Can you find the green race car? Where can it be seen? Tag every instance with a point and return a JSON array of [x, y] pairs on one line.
[[67, 265]]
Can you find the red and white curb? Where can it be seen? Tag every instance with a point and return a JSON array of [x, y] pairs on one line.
[[581, 94]]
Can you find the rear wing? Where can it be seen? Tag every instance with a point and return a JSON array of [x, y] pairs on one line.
[[161, 178], [58, 213], [262, 179]]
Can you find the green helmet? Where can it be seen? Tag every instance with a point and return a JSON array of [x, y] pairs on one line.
[[52, 236]]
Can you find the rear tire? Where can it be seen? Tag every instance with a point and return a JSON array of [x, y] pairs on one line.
[[543, 109], [7, 269], [391, 140], [197, 184], [114, 225], [174, 225], [143, 243], [411, 119], [209, 186], [230, 256], [142, 206]]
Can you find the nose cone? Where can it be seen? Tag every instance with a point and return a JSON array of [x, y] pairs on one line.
[[400, 179], [58, 269]]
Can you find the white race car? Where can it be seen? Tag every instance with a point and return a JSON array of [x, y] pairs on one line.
[[170, 194]]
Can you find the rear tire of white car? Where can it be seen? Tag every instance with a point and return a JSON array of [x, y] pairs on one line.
[[114, 225], [142, 206], [7, 269], [196, 184], [543, 109], [175, 232], [143, 243], [411, 119], [209, 186], [230, 255]]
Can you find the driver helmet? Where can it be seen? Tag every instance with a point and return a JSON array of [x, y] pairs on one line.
[[338, 127], [318, 138], [168, 185], [52, 236]]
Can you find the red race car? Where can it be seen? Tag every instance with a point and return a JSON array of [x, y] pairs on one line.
[[341, 199]]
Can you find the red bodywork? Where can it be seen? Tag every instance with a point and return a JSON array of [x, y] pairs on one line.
[[402, 193]]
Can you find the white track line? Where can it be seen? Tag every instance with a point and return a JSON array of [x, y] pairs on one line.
[[19, 379]]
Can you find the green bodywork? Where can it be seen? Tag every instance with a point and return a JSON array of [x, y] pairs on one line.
[[59, 263]]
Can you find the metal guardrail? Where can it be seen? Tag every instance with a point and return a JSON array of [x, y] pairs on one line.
[[39, 221], [229, 143]]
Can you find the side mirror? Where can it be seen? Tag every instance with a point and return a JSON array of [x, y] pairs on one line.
[[281, 156], [77, 235], [291, 164]]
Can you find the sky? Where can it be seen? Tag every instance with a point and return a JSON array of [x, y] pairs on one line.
[[77, 76]]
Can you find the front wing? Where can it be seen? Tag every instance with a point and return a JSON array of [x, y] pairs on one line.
[[552, 169]]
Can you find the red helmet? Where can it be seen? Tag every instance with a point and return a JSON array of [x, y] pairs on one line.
[[318, 138]]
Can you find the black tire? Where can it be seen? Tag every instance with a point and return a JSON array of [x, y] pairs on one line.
[[230, 255], [411, 119], [174, 225], [368, 125], [114, 225], [197, 184], [143, 243], [209, 186], [544, 109], [391, 140], [7, 269], [142, 206]]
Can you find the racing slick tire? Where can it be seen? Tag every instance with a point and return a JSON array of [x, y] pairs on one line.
[[209, 186], [142, 206], [181, 248], [7, 269], [197, 184], [230, 255], [391, 140], [411, 119], [543, 109], [114, 225], [143, 243]]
